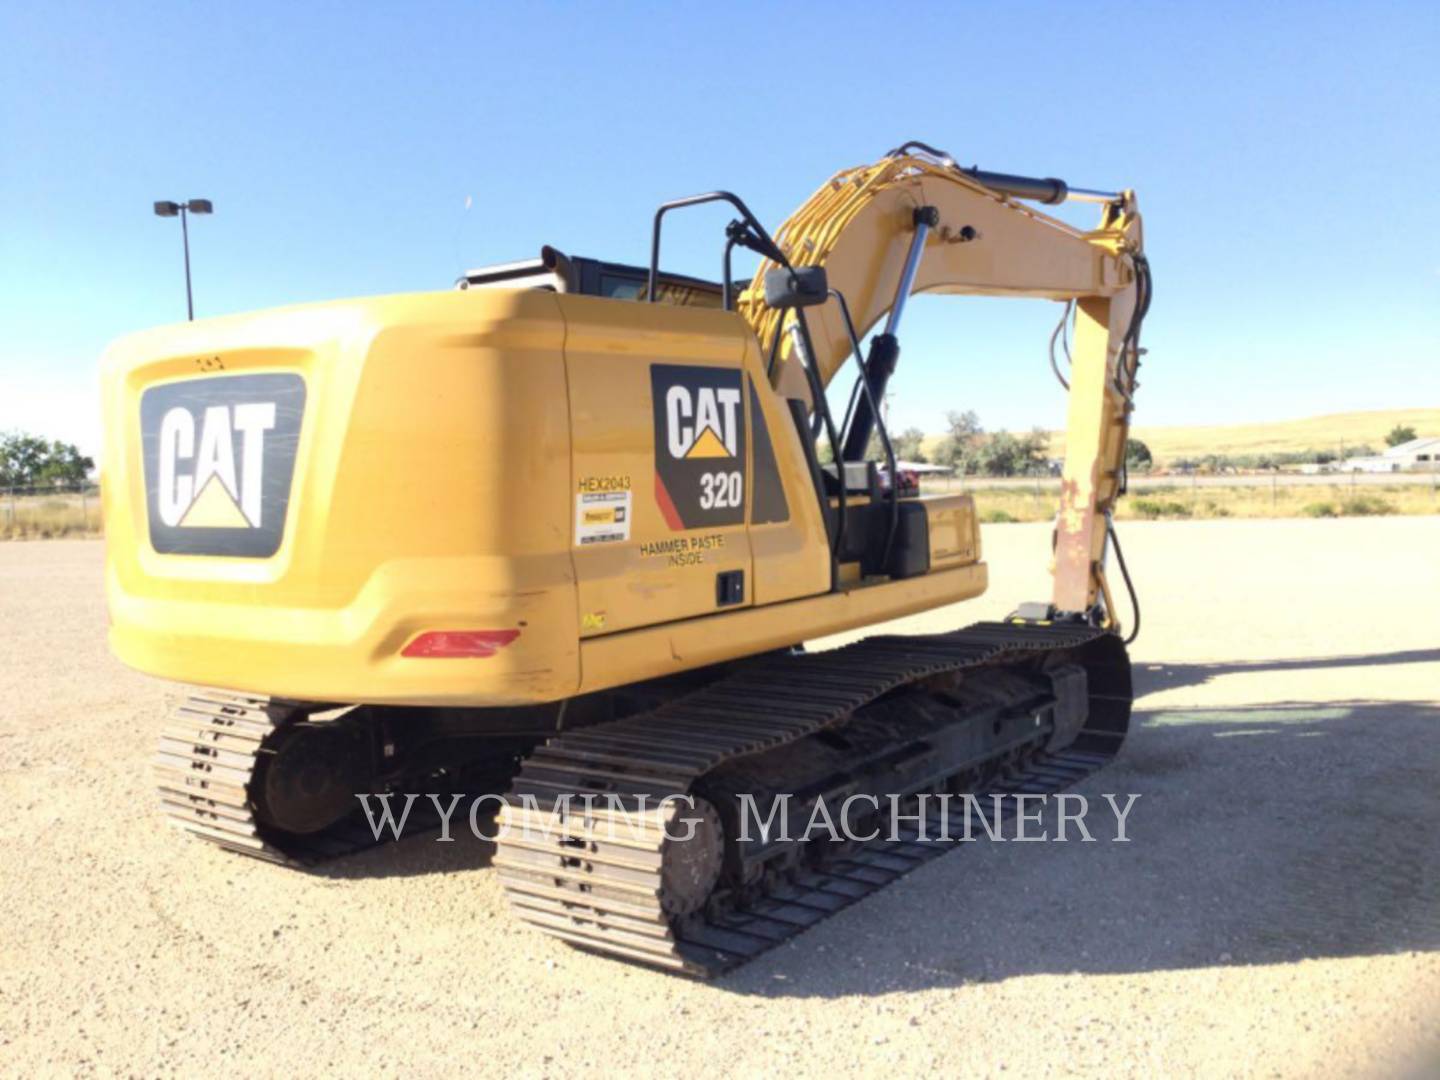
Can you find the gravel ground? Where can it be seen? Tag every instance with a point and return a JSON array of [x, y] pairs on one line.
[[1276, 912]]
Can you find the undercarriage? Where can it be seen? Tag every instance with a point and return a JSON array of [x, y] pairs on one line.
[[674, 823]]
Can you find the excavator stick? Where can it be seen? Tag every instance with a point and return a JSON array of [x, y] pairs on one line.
[[1096, 430]]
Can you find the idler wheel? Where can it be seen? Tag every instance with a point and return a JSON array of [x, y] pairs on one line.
[[311, 777], [691, 867]]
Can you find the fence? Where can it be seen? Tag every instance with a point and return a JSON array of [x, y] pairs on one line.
[[50, 510], [1352, 481], [1246, 495]]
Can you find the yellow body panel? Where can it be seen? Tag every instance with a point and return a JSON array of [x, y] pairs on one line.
[[445, 443], [640, 580], [664, 650], [657, 574], [954, 534], [614, 490], [423, 413]]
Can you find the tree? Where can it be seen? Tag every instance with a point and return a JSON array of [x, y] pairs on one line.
[[29, 461], [65, 465], [1137, 456], [1004, 454], [909, 445], [1036, 448], [1000, 455], [21, 457], [1400, 434], [963, 425], [961, 440]]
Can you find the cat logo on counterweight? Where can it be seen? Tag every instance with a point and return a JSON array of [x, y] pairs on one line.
[[219, 454]]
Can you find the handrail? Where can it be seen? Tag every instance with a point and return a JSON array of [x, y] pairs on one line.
[[749, 233]]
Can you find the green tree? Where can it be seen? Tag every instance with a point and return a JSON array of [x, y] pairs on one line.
[[909, 445], [1400, 433], [999, 455], [962, 440], [1036, 450], [29, 461], [1004, 454], [21, 457], [65, 465], [1137, 456]]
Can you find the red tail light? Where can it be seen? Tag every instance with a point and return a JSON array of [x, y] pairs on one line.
[[473, 644]]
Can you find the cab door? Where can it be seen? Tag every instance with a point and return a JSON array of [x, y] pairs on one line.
[[660, 462]]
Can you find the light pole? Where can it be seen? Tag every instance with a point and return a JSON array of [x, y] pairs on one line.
[[171, 209]]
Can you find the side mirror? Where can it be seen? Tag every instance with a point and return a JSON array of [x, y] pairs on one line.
[[804, 286]]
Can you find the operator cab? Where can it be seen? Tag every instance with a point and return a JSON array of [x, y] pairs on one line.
[[874, 526], [555, 271]]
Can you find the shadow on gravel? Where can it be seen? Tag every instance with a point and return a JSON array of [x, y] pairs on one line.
[[1263, 835], [1153, 677], [422, 853]]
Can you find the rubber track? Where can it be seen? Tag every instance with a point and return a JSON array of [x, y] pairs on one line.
[[205, 766], [593, 878]]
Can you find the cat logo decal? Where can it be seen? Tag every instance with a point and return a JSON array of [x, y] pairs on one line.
[[219, 455], [700, 462]]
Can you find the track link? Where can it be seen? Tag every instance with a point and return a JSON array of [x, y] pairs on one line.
[[592, 875], [211, 749]]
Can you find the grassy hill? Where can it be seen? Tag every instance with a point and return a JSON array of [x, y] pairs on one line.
[[1278, 437], [1282, 436]]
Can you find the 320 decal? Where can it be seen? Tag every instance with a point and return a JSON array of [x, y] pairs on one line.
[[700, 459]]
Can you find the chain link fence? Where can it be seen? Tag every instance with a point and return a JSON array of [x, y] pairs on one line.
[[47, 511], [1241, 495]]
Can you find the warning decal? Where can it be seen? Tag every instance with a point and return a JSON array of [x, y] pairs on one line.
[[602, 517]]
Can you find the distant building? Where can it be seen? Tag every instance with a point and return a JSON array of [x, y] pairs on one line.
[[1418, 454]]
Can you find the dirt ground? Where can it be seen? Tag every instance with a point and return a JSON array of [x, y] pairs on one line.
[[1277, 911]]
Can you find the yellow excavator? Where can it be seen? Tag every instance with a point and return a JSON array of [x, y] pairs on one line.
[[559, 535]]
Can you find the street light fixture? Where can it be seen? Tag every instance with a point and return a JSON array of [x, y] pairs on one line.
[[173, 209]]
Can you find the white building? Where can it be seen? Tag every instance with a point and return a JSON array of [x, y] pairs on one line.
[[1418, 454]]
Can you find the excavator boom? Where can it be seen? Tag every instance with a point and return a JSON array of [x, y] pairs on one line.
[[917, 223]]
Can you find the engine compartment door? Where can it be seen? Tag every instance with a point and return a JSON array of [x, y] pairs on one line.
[[660, 438]]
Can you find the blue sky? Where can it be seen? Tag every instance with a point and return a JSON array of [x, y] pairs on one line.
[[1285, 155]]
